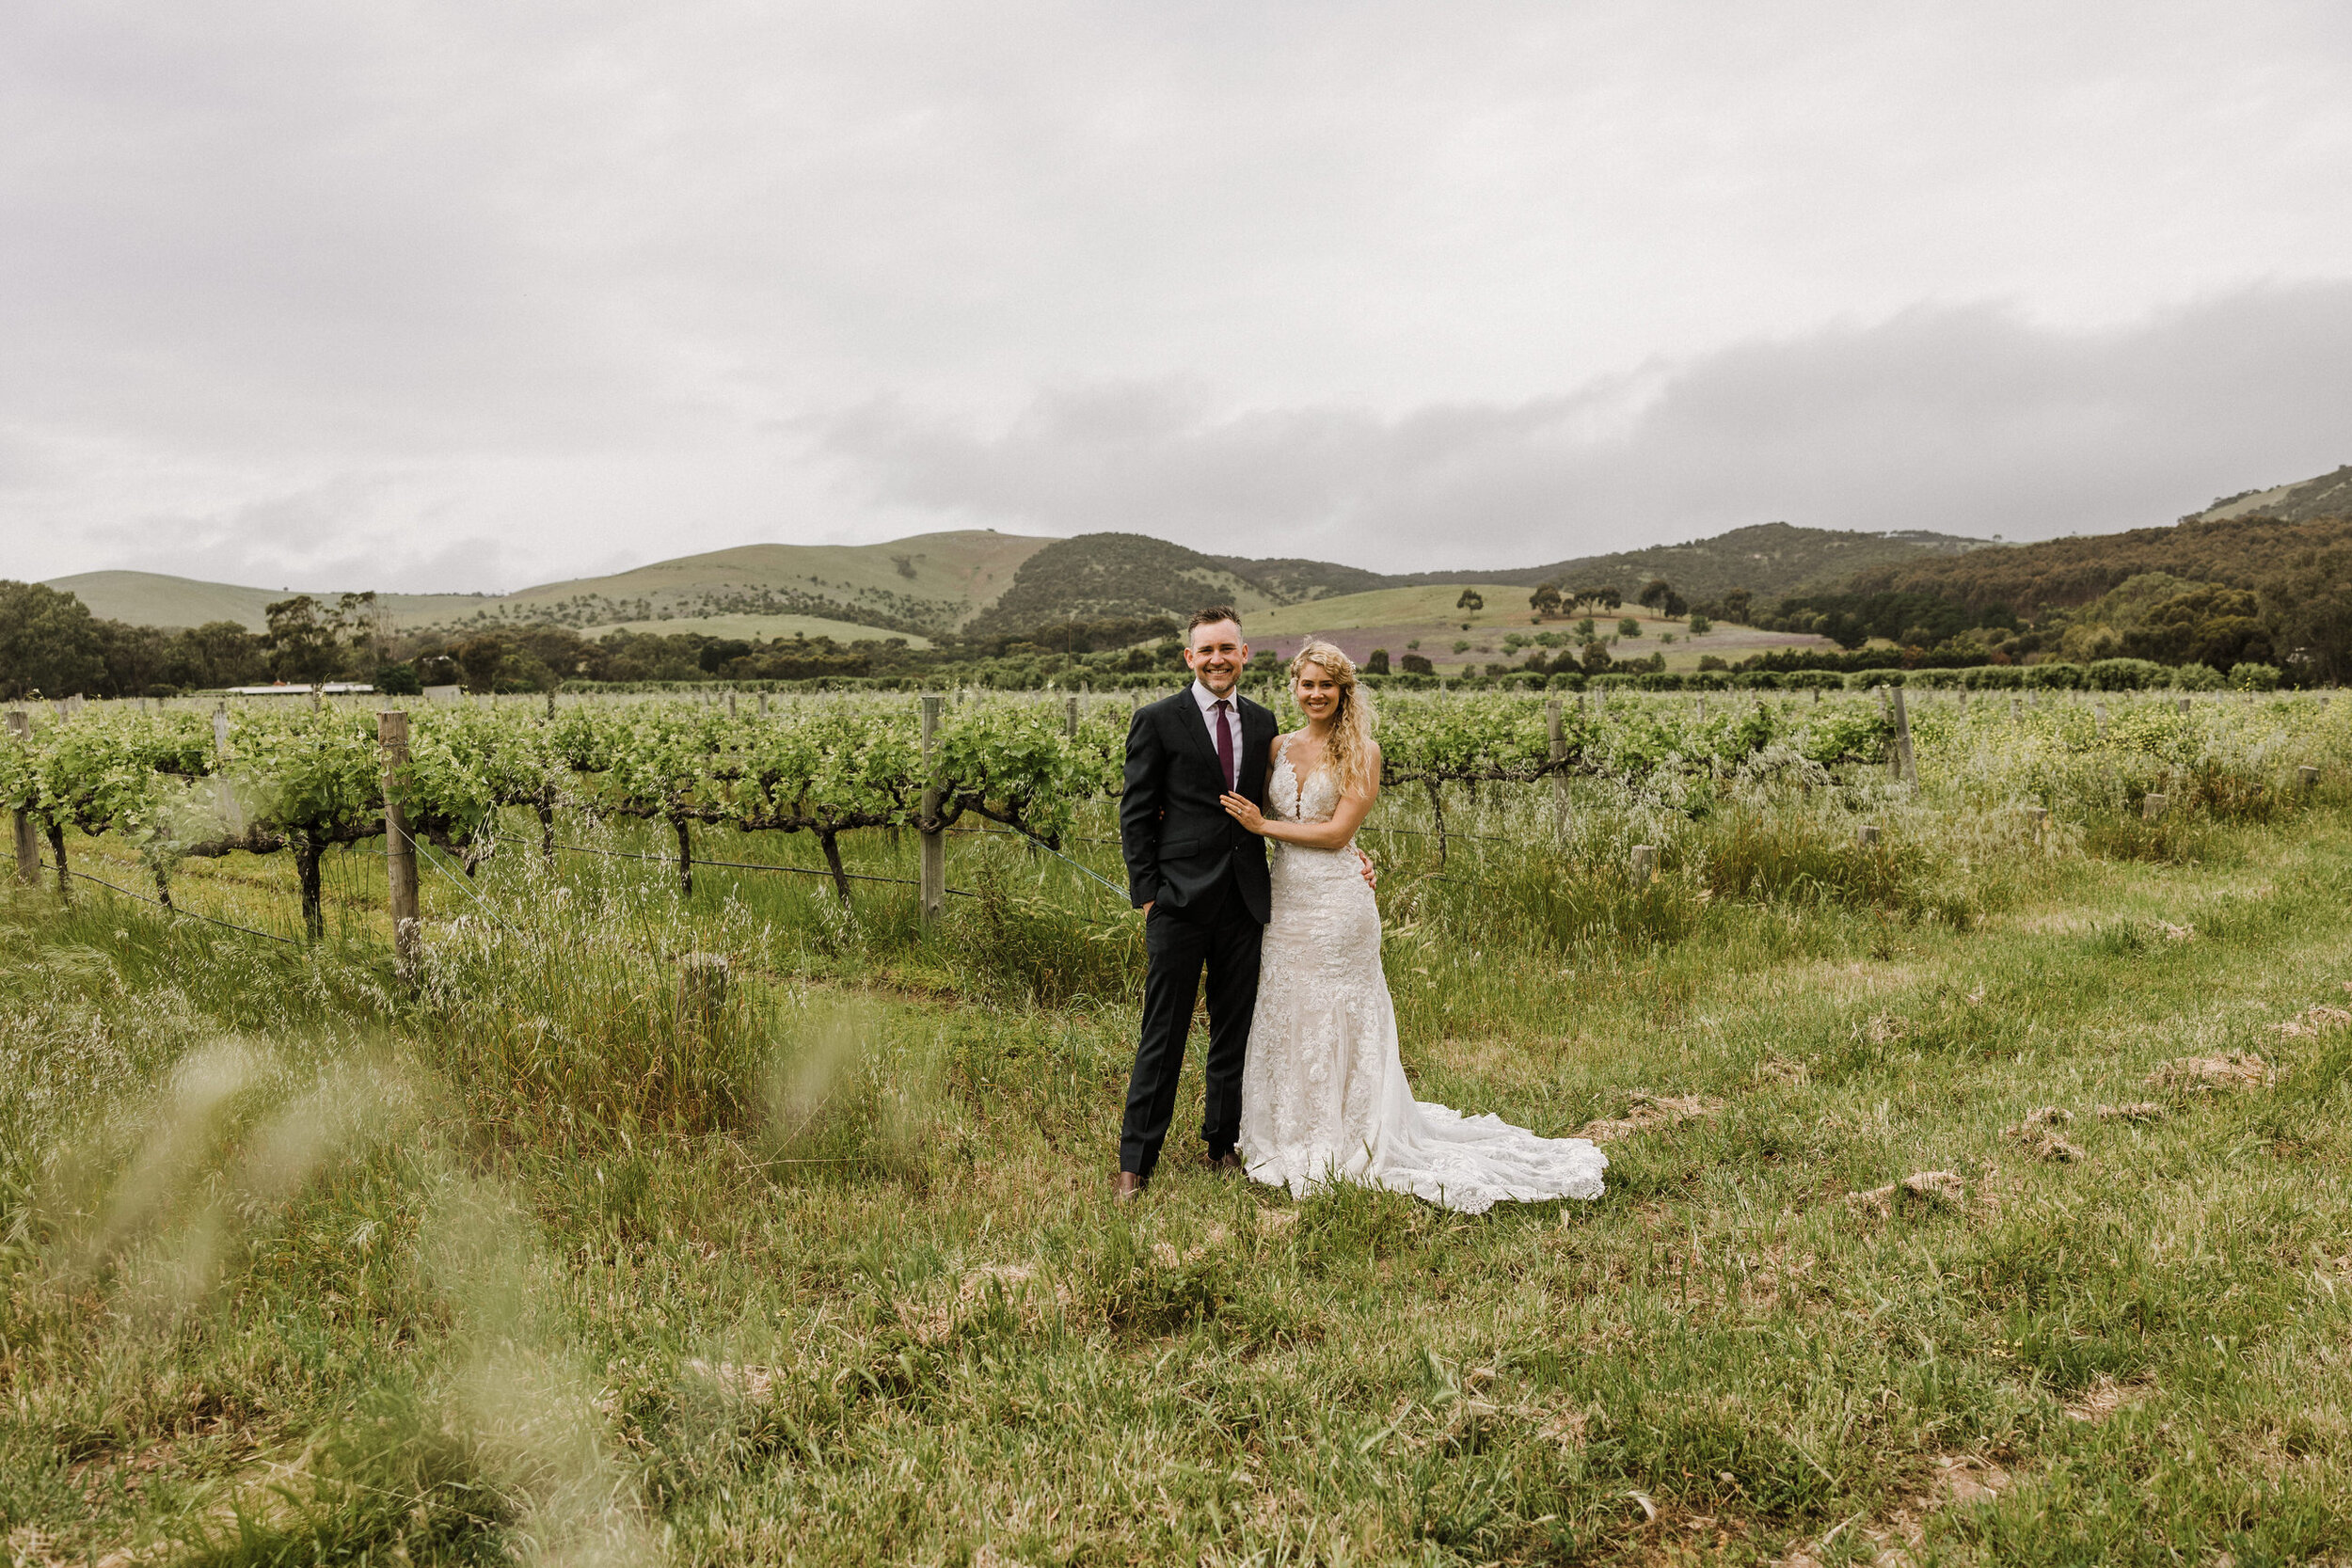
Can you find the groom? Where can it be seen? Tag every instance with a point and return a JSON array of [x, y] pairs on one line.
[[1200, 877]]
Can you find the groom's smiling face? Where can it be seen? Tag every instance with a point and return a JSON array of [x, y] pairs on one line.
[[1216, 655]]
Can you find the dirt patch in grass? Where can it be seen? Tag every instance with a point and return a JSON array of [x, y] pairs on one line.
[[2103, 1398], [2237, 1069], [1955, 1481], [2040, 1136], [1924, 1189], [1648, 1112], [2312, 1023]]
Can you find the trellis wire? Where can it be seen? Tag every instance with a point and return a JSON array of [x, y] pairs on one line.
[[191, 915]]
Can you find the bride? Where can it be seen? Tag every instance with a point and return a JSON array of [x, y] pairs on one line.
[[1323, 1095]]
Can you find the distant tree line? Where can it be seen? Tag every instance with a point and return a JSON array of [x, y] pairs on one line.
[[51, 646]]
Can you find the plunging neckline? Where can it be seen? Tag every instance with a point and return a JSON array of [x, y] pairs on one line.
[[1298, 784]]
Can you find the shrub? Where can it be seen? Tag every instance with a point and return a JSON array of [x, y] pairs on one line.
[[2253, 678], [1994, 678], [2059, 677], [1416, 664], [1377, 663], [2196, 677], [2124, 675], [1700, 625]]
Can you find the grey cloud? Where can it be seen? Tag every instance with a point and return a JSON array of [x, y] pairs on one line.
[[350, 532], [570, 280], [1969, 420]]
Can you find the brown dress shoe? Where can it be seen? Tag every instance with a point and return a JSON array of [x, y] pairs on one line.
[[1229, 1160], [1128, 1187]]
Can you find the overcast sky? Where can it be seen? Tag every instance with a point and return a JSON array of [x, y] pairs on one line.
[[424, 294]]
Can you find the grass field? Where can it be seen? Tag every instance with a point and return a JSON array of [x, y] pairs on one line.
[[1398, 619], [565, 1259]]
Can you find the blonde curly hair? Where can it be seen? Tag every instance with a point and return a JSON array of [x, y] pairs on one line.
[[1347, 750]]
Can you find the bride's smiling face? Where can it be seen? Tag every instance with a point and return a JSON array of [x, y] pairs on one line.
[[1317, 691]]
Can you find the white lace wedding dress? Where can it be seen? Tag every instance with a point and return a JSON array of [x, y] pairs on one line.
[[1322, 1090]]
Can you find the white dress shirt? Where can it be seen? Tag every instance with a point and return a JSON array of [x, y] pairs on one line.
[[1207, 700]]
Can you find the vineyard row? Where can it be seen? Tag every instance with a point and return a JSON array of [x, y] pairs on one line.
[[175, 783]]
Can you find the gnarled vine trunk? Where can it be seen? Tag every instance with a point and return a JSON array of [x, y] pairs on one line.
[[307, 856], [832, 841]]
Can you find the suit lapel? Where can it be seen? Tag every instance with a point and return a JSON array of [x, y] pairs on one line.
[[1257, 730]]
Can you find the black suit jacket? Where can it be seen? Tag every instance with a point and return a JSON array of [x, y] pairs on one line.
[[1178, 841]]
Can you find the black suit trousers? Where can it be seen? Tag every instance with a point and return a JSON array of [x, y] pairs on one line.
[[1220, 934]]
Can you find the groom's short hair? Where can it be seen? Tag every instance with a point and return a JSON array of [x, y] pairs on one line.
[[1209, 617]]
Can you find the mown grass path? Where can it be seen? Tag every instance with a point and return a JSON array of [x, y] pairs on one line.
[[289, 1283]]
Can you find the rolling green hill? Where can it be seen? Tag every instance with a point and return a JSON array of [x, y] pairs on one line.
[[2328, 496], [983, 582], [154, 600], [1104, 575], [1765, 559], [2057, 574], [2240, 541], [931, 583], [926, 585]]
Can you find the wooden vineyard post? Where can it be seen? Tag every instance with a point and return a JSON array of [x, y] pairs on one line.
[[1869, 835], [1906, 765], [2152, 806], [1070, 719], [1554, 722], [551, 702], [1645, 864], [400, 849], [730, 704], [2306, 776], [702, 991], [933, 889], [27, 840]]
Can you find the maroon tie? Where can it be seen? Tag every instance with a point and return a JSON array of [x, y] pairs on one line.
[[1225, 746]]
